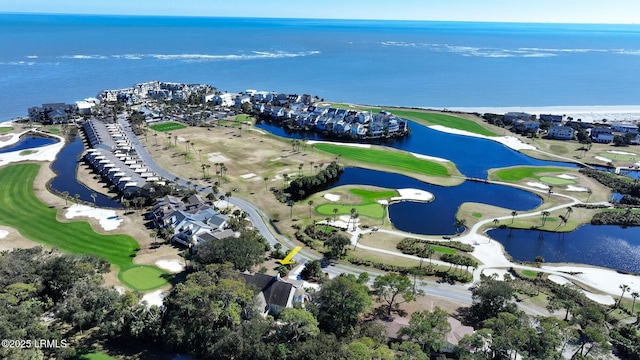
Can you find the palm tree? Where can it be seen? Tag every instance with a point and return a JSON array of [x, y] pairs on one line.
[[589, 192], [311, 167], [355, 220], [65, 196], [310, 202], [496, 222], [228, 195], [384, 212], [459, 223], [513, 215], [335, 211], [634, 295], [544, 216], [569, 211], [300, 169], [266, 178], [624, 288], [290, 204], [187, 145], [93, 196], [550, 191], [203, 166], [77, 197]]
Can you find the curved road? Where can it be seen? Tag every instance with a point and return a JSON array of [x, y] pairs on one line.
[[457, 293]]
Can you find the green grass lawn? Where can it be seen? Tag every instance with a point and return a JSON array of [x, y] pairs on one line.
[[368, 206], [558, 149], [476, 215], [5, 129], [529, 273], [27, 152], [524, 172], [143, 277], [619, 157], [449, 121], [243, 118], [370, 210], [556, 180], [392, 159], [22, 210], [168, 126], [443, 250], [96, 356]]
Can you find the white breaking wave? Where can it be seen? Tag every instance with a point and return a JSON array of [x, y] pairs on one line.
[[503, 53], [196, 57]]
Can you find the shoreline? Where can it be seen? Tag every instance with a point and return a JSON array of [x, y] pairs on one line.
[[588, 113]]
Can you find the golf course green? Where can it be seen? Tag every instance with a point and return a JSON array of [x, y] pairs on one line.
[[23, 211], [398, 160]]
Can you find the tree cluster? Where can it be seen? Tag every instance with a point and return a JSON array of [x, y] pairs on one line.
[[243, 252], [302, 187]]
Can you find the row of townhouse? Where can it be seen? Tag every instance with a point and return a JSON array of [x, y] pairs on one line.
[[257, 97], [192, 221], [110, 156], [338, 121]]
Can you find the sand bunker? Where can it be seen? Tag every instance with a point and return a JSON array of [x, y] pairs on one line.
[[173, 266], [153, 298], [427, 157], [538, 185], [332, 197], [217, 157], [559, 279], [602, 158], [498, 272], [576, 188], [248, 176], [3, 234], [567, 176], [602, 299], [107, 218], [365, 146], [413, 195]]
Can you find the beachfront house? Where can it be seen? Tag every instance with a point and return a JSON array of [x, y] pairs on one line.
[[561, 133], [625, 128], [602, 135], [510, 117], [554, 119]]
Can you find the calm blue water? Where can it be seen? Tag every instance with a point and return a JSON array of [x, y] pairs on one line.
[[28, 142], [437, 217], [48, 58], [603, 245], [65, 167], [473, 156]]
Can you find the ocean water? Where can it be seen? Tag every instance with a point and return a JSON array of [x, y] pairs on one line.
[[50, 58]]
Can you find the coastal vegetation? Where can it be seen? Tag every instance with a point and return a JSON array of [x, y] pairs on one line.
[[22, 210], [301, 187]]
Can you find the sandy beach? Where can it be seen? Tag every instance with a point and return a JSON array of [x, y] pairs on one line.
[[618, 113]]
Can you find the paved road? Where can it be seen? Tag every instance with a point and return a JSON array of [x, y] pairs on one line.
[[458, 293]]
